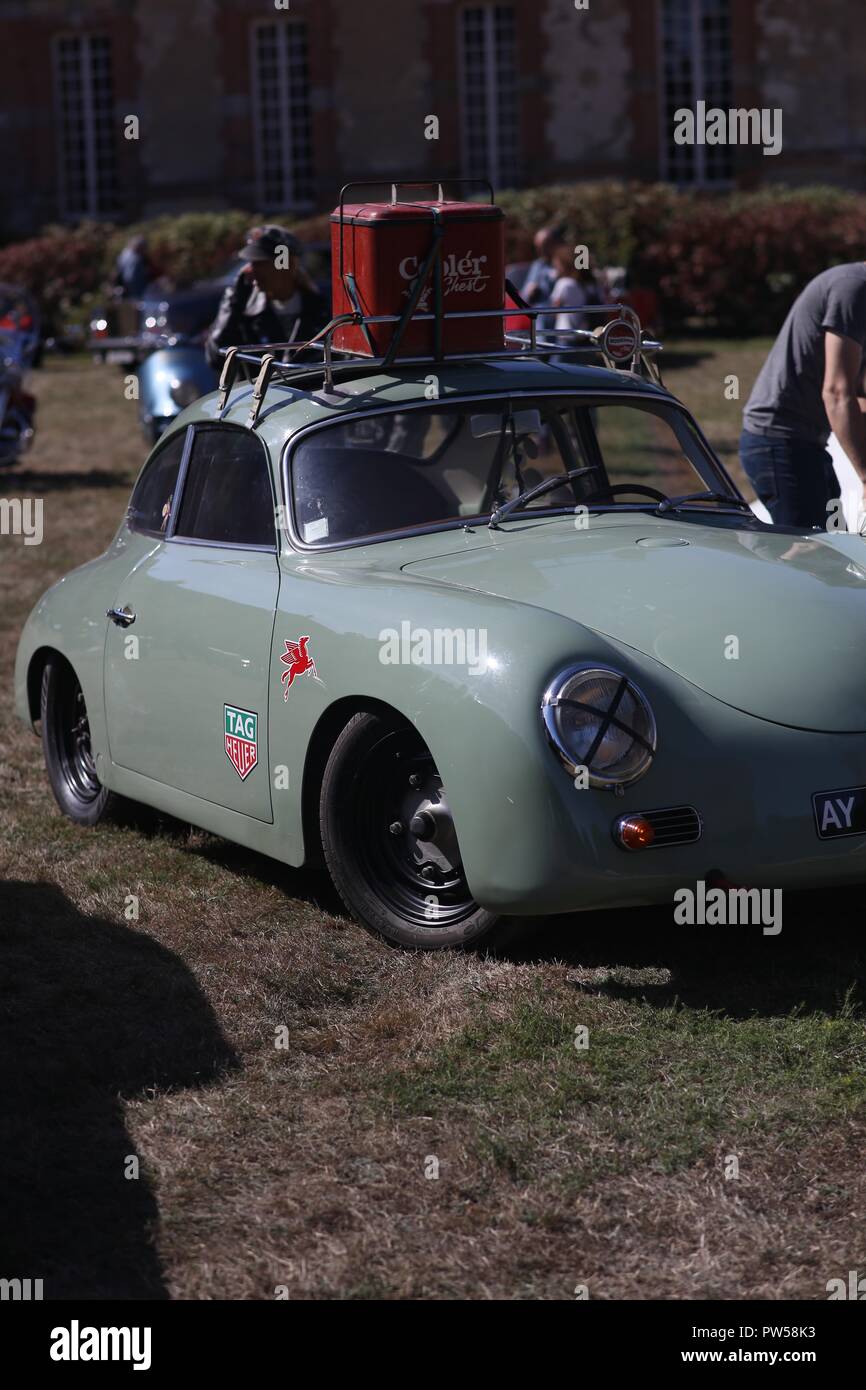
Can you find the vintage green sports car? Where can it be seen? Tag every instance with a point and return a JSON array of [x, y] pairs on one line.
[[490, 636]]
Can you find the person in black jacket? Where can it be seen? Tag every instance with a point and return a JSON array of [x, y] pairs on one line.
[[272, 300]]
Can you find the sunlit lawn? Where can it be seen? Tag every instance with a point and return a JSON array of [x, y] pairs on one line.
[[311, 1166]]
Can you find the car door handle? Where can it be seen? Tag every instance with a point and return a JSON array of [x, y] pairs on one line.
[[122, 616]]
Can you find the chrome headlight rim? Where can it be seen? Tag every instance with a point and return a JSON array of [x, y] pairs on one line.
[[552, 699]]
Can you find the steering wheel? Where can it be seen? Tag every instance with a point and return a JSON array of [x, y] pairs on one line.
[[623, 487]]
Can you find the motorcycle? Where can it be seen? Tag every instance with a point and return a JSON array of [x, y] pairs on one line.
[[19, 347], [170, 377], [161, 335]]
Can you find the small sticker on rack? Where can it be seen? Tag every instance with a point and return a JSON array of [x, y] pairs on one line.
[[620, 340], [316, 530]]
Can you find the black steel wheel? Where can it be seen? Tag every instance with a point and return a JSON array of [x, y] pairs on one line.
[[389, 839], [66, 744]]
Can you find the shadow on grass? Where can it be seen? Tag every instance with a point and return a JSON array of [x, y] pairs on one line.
[[309, 885], [816, 962], [91, 1014], [35, 483]]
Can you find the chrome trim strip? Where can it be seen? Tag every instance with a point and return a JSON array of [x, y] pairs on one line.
[[224, 545]]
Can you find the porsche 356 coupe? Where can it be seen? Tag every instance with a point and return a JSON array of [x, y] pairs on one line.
[[490, 634]]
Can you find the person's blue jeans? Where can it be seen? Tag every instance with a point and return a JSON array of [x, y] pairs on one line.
[[793, 478]]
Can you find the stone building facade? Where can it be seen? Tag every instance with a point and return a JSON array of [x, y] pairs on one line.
[[125, 108]]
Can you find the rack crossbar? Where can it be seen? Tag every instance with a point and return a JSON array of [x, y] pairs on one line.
[[566, 343]]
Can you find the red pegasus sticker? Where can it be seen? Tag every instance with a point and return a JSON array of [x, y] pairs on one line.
[[297, 661]]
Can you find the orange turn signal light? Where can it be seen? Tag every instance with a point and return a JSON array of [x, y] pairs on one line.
[[635, 833]]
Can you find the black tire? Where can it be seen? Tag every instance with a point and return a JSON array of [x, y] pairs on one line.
[[405, 885], [66, 746]]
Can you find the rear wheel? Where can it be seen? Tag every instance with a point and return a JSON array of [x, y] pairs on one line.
[[389, 840], [66, 744]]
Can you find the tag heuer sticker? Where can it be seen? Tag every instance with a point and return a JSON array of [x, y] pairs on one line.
[[297, 662], [242, 746]]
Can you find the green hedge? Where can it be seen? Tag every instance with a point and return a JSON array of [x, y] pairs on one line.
[[734, 261]]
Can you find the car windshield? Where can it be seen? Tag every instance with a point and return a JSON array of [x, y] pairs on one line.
[[446, 464]]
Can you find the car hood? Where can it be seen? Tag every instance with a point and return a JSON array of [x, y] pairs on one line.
[[773, 624]]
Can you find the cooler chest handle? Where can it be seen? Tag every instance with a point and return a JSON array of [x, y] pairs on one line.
[[407, 183]]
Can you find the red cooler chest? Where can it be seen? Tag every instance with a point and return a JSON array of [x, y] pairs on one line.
[[384, 246]]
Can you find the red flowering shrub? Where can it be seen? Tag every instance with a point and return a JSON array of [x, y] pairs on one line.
[[741, 260], [61, 267]]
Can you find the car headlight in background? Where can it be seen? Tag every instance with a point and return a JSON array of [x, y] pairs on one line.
[[183, 393], [597, 718]]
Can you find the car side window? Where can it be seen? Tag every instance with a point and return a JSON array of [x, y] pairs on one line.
[[227, 497], [150, 504]]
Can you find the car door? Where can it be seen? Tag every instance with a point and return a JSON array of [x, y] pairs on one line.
[[189, 638]]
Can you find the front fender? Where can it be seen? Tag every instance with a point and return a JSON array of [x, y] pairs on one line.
[[505, 786]]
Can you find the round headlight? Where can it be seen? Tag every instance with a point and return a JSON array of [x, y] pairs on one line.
[[596, 718]]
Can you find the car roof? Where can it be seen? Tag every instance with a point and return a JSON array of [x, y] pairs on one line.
[[287, 408]]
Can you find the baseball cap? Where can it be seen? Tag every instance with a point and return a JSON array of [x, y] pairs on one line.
[[262, 243]]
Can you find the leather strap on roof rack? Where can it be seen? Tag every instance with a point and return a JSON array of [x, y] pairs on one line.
[[226, 378], [260, 388]]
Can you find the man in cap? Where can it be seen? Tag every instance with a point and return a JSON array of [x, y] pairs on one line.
[[272, 299]]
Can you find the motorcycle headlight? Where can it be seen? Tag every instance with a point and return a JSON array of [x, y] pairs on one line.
[[597, 718], [183, 393]]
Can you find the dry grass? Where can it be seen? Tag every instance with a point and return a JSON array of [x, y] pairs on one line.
[[306, 1166]]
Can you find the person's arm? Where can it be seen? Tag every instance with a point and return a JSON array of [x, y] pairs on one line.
[[840, 393], [227, 328], [531, 290]]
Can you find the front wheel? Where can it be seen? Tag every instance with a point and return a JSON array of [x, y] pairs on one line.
[[66, 745], [389, 840]]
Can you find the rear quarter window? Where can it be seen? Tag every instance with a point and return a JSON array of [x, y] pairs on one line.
[[150, 505]]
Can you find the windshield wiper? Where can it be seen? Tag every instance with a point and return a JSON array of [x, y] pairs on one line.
[[548, 485], [673, 504]]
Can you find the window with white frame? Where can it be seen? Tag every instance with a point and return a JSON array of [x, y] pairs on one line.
[[490, 98], [281, 91], [86, 125], [696, 66]]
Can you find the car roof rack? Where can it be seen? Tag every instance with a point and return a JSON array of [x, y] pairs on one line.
[[280, 360]]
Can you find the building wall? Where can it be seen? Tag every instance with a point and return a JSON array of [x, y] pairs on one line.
[[589, 69], [382, 87], [29, 192], [180, 103], [589, 94], [811, 64]]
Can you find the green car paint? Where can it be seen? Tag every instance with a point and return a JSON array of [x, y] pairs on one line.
[[745, 739]]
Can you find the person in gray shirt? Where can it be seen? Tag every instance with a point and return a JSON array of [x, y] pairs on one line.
[[810, 386]]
